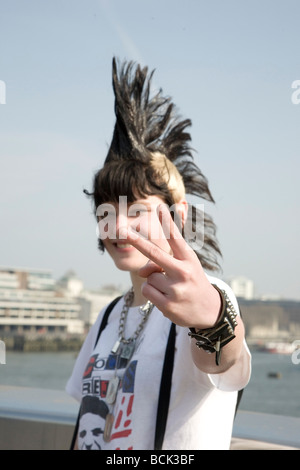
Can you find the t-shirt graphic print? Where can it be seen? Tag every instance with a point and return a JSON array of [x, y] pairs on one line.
[[106, 407]]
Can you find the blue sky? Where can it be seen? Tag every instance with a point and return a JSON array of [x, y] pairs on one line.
[[229, 66]]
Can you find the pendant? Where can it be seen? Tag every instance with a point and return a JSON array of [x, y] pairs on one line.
[[145, 308], [112, 390], [116, 347], [109, 421], [127, 350]]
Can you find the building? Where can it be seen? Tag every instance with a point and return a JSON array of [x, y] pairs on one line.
[[31, 305], [91, 302], [242, 287], [70, 284], [272, 320]]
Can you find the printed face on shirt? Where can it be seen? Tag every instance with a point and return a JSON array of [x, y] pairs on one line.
[[90, 434]]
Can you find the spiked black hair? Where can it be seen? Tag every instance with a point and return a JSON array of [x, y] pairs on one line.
[[146, 125]]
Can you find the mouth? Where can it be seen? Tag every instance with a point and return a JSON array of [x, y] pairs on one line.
[[122, 246]]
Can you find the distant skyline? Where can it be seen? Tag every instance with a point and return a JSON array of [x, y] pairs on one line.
[[241, 286], [232, 67]]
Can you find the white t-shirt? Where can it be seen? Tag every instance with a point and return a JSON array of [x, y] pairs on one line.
[[202, 406]]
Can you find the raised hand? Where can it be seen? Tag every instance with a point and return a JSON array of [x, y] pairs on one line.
[[175, 281]]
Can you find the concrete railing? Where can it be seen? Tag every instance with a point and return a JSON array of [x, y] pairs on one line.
[[40, 419]]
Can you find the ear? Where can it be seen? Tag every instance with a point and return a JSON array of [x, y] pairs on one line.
[[182, 210]]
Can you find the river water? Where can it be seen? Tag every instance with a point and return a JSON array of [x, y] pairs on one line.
[[278, 394]]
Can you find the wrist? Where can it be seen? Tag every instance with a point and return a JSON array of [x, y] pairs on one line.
[[213, 310], [213, 339]]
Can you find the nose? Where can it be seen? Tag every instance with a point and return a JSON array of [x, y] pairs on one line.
[[110, 223], [122, 225]]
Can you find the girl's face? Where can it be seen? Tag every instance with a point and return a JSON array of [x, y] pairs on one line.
[[142, 217]]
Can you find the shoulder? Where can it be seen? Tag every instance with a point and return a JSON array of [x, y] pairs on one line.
[[74, 382], [224, 286], [219, 282], [103, 318]]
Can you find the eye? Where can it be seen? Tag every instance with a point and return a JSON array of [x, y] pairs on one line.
[[105, 210], [97, 431], [82, 434], [106, 215]]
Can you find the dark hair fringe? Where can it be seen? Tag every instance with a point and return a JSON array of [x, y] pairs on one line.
[[146, 124]]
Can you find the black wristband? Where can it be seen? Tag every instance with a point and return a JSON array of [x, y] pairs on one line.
[[212, 340]]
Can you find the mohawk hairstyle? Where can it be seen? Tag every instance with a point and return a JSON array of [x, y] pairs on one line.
[[146, 125]]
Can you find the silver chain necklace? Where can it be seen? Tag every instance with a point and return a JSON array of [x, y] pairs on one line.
[[145, 311], [123, 349]]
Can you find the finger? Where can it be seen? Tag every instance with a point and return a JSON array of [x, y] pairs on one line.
[[180, 248], [159, 282], [150, 268], [155, 296], [151, 251]]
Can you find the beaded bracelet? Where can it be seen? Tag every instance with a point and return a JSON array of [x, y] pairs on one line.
[[212, 340]]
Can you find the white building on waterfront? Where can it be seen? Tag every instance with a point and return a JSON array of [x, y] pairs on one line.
[[70, 284], [31, 305], [32, 302], [91, 302]]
